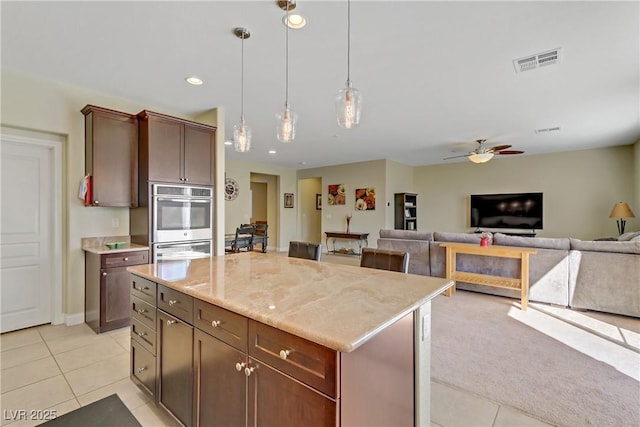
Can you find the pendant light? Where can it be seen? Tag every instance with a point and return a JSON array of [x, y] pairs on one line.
[[286, 130], [242, 132], [348, 100]]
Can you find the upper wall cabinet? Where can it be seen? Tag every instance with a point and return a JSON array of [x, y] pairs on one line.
[[111, 156], [175, 150]]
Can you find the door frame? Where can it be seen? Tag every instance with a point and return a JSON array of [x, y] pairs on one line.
[[55, 143]]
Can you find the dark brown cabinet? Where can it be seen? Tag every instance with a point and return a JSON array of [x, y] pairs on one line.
[[175, 367], [175, 150], [143, 334], [107, 301], [406, 211], [111, 156]]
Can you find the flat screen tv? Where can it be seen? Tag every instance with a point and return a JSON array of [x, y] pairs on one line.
[[516, 210]]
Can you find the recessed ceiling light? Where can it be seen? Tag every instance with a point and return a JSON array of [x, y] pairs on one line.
[[193, 80], [272, 151], [303, 163], [295, 22]]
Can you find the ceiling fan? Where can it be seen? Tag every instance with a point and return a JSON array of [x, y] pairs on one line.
[[482, 154]]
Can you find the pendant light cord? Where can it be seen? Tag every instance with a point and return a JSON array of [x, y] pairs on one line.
[[286, 73], [242, 80], [348, 42]]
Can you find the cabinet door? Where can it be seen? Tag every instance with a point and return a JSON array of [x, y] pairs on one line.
[[165, 150], [220, 392], [277, 400], [115, 298], [175, 367], [111, 157], [198, 155]]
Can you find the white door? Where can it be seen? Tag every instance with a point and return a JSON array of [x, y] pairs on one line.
[[26, 269]]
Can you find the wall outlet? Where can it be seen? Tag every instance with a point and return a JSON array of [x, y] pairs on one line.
[[115, 222]]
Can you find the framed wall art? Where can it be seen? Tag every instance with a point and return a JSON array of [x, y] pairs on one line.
[[337, 194], [318, 201], [288, 200], [365, 199]]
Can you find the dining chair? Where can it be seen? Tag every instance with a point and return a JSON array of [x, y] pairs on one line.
[[244, 238], [384, 259], [261, 235], [306, 250]]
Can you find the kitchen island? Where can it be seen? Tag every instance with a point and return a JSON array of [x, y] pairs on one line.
[[318, 343]]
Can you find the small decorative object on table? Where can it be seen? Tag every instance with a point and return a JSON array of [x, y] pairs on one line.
[[485, 239], [348, 221]]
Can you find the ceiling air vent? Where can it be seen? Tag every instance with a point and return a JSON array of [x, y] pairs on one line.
[[539, 60], [545, 130]]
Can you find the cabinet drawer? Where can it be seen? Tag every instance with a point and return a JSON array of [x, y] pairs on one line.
[[143, 368], [144, 312], [228, 327], [176, 303], [144, 335], [123, 259], [308, 362], [143, 289]]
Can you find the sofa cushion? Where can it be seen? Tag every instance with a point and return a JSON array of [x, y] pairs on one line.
[[418, 251], [632, 247], [531, 242], [457, 237], [406, 234]]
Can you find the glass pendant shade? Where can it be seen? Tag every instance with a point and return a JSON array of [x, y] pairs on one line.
[[286, 125], [348, 107], [242, 137], [481, 157]]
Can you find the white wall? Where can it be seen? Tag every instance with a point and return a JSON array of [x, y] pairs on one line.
[[399, 180], [580, 189]]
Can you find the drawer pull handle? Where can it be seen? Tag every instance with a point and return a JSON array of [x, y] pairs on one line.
[[172, 302], [215, 323], [141, 370], [141, 334], [141, 310], [248, 371], [146, 288], [284, 354], [170, 322], [125, 259], [240, 365]]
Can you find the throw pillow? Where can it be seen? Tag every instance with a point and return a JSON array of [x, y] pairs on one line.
[[628, 236]]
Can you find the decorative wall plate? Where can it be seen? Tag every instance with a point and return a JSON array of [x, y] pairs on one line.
[[230, 189]]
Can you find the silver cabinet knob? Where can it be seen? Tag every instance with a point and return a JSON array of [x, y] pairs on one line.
[[141, 310], [170, 322], [95, 202], [141, 334], [240, 365], [186, 179], [284, 354], [146, 288], [172, 302], [248, 371], [215, 323], [104, 273], [140, 370], [125, 259]]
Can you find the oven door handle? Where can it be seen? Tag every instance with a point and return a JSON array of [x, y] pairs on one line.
[[173, 245], [167, 199]]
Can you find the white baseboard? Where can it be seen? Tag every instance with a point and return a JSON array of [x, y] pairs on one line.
[[74, 319]]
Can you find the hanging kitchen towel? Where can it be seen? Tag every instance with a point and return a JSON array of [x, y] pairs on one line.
[[84, 192]]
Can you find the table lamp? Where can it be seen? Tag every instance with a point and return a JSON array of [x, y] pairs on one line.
[[621, 211]]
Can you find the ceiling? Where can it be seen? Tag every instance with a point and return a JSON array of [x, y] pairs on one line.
[[434, 76]]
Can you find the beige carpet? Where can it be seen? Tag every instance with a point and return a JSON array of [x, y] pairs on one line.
[[564, 367]]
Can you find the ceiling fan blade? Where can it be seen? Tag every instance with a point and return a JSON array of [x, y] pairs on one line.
[[509, 152], [498, 148], [455, 157]]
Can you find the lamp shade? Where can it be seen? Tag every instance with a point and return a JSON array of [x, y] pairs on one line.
[[481, 157], [621, 210]]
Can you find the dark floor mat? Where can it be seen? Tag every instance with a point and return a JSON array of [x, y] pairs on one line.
[[107, 412]]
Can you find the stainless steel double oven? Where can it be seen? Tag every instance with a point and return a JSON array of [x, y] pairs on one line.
[[182, 217]]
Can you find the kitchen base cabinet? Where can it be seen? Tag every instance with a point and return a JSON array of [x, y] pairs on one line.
[[143, 334], [107, 301], [175, 367], [220, 383]]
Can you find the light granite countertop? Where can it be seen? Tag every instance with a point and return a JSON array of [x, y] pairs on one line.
[[96, 245], [338, 306]]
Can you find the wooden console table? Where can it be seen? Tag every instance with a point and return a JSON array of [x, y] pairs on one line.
[[360, 238], [521, 283]]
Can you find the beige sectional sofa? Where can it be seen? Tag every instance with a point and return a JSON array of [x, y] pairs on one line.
[[593, 275]]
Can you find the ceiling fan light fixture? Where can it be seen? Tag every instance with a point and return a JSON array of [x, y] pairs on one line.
[[480, 157]]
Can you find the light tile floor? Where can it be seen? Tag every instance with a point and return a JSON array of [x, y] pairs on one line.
[[61, 368]]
